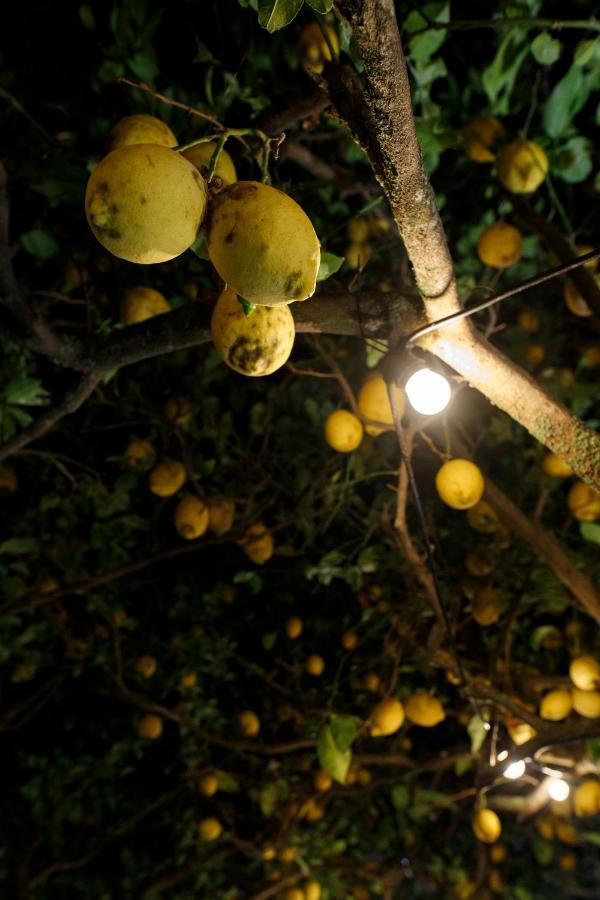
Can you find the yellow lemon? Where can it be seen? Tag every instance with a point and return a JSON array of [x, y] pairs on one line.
[[556, 705], [349, 640], [221, 513], [146, 666], [249, 723], [315, 665], [487, 826], [574, 301], [372, 682], [178, 410], [546, 827], [145, 203], [208, 785], [312, 810], [188, 681], [556, 467], [294, 894], [386, 718], [191, 517], [480, 137], [567, 861], [459, 483], [357, 255], [166, 478], [486, 606], [591, 356], [343, 431], [141, 303], [268, 852], [312, 890], [479, 563], [586, 800], [257, 543], [139, 455], [500, 245], [315, 50], [358, 230], [522, 166], [150, 727], [565, 832], [322, 781], [529, 321], [520, 732], [287, 855], [200, 156], [262, 244], [584, 502], [210, 829], [482, 518], [586, 703], [8, 480], [424, 709], [140, 129], [294, 627], [374, 403], [584, 672], [534, 354], [254, 345], [498, 853]]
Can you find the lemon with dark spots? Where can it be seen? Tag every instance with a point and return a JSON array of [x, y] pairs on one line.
[[141, 303], [145, 203], [253, 345], [481, 135], [140, 129], [262, 244], [500, 245], [522, 166], [200, 156]]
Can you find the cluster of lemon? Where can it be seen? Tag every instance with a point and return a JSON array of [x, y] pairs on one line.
[[583, 698], [582, 499], [360, 232], [344, 430], [420, 708]]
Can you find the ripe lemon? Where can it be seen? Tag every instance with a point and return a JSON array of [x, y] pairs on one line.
[[191, 517], [312, 810], [522, 166], [322, 781], [372, 682], [208, 785], [268, 852], [386, 718], [294, 894], [312, 890], [586, 800], [479, 563], [349, 640], [481, 134], [210, 829], [586, 703], [254, 345], [529, 321], [314, 49], [584, 502], [565, 832], [358, 230], [200, 156], [574, 301], [482, 518], [486, 606], [257, 543], [141, 303], [187, 681], [459, 483], [520, 732], [146, 666], [287, 855], [498, 853], [567, 861], [140, 129], [374, 403], [249, 723], [294, 627], [343, 431], [315, 665], [585, 673], [262, 244], [139, 455], [591, 357], [8, 480], [166, 478], [424, 709], [221, 513], [145, 203], [487, 826], [178, 411], [150, 727], [556, 467], [556, 705], [500, 245], [357, 255], [534, 354]]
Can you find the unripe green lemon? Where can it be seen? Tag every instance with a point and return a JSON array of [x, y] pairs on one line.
[[254, 345]]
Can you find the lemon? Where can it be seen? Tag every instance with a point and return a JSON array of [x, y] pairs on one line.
[[565, 832], [479, 563], [146, 666], [574, 301], [556, 705], [487, 826], [150, 727], [315, 665], [500, 245], [349, 640], [372, 682], [386, 718], [567, 861], [586, 800], [294, 894], [459, 483], [208, 785], [200, 156], [257, 543], [358, 230], [262, 244], [498, 853], [249, 723], [210, 829], [482, 518], [343, 431], [584, 672], [8, 480], [486, 606], [254, 345], [268, 852], [357, 255], [221, 513], [178, 411], [139, 455], [141, 303], [140, 129], [145, 203], [312, 810], [312, 890], [584, 502], [188, 681], [315, 49], [424, 709], [522, 166], [166, 478], [322, 781], [287, 855], [374, 403], [546, 827], [534, 354], [529, 321], [294, 627], [556, 467], [191, 517], [586, 703], [591, 356], [481, 134]]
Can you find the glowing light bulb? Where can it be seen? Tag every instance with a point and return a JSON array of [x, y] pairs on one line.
[[428, 392], [558, 788], [515, 770], [502, 755]]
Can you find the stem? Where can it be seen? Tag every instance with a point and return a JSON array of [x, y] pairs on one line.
[[215, 158]]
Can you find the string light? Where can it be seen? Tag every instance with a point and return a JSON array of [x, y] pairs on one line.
[[558, 788], [428, 392], [515, 770], [502, 755]]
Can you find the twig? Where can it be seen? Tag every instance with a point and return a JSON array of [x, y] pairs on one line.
[[140, 86]]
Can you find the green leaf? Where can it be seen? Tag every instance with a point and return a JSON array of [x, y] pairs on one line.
[[545, 49], [276, 14], [247, 306], [565, 101], [227, 782], [423, 46], [199, 248], [499, 77], [587, 51], [400, 796], [321, 6], [330, 264], [39, 243], [26, 391], [19, 546], [86, 16], [573, 161], [334, 745], [590, 531], [477, 732], [590, 837]]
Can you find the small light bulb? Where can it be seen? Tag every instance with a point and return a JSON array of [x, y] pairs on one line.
[[515, 770], [502, 755], [558, 788], [428, 392]]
